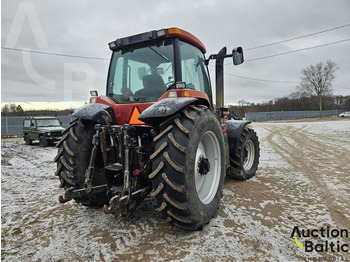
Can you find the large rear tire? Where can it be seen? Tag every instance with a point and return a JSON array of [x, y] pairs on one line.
[[244, 163], [74, 150], [188, 168]]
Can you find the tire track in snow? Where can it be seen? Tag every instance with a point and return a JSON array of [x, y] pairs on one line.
[[293, 153]]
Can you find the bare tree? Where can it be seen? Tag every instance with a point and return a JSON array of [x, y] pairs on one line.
[[5, 110], [316, 80], [19, 110]]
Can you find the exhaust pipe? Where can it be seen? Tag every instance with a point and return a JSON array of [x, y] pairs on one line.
[[219, 81]]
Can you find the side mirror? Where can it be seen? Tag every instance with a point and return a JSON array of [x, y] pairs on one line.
[[237, 56]]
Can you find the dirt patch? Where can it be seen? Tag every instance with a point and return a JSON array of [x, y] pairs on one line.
[[302, 181]]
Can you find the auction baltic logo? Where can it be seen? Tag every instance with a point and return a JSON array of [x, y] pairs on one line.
[[322, 239]]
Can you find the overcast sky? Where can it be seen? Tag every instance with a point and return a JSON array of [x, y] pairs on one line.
[[85, 27]]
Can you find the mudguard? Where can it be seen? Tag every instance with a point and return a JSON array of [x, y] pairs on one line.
[[234, 131], [158, 112], [93, 112]]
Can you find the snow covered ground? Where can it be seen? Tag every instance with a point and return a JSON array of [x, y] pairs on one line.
[[303, 180]]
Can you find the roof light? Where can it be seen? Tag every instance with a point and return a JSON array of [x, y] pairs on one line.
[[175, 30], [161, 33], [112, 45], [93, 100]]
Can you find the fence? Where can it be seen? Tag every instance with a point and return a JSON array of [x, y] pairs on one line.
[[12, 125], [264, 116]]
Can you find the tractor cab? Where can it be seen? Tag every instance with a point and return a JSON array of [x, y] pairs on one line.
[[144, 67], [156, 133]]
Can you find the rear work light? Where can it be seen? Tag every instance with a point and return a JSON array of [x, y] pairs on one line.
[[93, 93], [180, 85], [112, 45]]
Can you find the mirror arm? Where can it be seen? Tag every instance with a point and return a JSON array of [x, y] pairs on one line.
[[217, 56]]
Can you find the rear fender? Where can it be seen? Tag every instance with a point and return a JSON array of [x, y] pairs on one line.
[[93, 112], [158, 112], [234, 131]]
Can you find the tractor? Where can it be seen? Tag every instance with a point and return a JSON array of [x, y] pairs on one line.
[[157, 132]]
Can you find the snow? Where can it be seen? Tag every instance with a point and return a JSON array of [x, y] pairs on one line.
[[302, 181]]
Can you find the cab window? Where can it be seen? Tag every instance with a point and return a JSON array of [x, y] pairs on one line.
[[193, 68], [26, 123], [141, 73]]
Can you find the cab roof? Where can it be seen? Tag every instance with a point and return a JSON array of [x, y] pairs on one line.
[[167, 33]]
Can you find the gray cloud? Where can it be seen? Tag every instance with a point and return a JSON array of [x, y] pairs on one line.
[[84, 28]]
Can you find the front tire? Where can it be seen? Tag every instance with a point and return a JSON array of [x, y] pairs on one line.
[[74, 150], [188, 168], [43, 141]]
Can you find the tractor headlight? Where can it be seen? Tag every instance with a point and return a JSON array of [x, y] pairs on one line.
[[48, 133]]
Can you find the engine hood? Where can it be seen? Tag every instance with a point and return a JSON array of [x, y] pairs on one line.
[[50, 128]]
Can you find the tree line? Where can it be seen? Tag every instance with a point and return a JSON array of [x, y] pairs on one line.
[[296, 101], [314, 92], [17, 110]]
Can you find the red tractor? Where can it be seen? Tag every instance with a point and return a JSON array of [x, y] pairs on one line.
[[157, 132]]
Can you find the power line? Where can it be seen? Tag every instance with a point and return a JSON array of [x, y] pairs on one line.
[[249, 78], [263, 80], [98, 58], [297, 50], [298, 37], [53, 54], [258, 79]]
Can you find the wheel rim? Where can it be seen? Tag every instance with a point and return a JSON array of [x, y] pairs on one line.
[[207, 184], [249, 152]]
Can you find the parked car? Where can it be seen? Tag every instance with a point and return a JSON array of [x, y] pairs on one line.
[[345, 114], [46, 129]]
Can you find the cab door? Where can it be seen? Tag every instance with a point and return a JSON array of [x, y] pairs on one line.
[[26, 126], [33, 135]]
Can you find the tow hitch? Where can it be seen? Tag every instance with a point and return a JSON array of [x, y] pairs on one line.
[[117, 158]]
